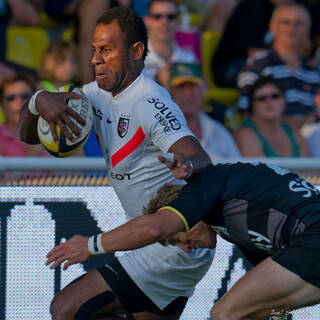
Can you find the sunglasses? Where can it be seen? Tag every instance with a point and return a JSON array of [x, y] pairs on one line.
[[23, 96], [272, 96], [158, 16]]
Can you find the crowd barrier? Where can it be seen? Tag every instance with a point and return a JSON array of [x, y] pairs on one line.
[[45, 201]]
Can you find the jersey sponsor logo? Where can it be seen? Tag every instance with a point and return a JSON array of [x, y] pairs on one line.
[[97, 112], [162, 121], [301, 185], [165, 117], [260, 241], [123, 126], [120, 176]]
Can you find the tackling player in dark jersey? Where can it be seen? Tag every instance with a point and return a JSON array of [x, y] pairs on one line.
[[273, 215]]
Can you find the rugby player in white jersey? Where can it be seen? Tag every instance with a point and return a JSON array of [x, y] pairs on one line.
[[135, 120]]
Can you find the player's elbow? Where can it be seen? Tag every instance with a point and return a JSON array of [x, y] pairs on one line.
[[157, 232]]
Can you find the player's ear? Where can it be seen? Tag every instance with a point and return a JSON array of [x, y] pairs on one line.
[[137, 50]]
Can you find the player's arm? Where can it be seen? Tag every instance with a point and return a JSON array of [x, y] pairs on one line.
[[52, 106], [134, 234], [189, 157]]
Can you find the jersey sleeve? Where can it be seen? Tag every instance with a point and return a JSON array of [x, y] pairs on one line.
[[162, 121], [198, 198]]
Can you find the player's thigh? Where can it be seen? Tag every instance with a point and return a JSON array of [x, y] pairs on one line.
[[266, 288], [88, 294]]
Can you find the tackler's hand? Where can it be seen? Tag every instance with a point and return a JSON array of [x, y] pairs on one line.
[[73, 251], [180, 166]]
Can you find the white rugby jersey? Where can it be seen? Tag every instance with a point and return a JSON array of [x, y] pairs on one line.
[[133, 128]]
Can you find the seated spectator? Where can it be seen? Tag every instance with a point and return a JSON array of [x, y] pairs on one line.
[[14, 92], [285, 61], [162, 23], [313, 136], [186, 88], [243, 25], [263, 134], [58, 66]]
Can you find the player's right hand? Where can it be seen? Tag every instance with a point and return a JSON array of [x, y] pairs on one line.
[[53, 107], [72, 251]]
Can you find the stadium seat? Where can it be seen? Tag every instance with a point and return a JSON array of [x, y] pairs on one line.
[[26, 45], [209, 44]]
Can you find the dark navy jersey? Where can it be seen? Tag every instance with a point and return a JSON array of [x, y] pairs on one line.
[[254, 205]]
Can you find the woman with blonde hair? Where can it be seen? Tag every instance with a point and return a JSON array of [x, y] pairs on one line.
[[58, 66]]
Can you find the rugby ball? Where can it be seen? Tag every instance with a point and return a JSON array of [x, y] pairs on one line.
[[66, 147]]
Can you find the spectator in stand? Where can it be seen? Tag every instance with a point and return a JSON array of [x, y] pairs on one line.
[[263, 134], [58, 66], [244, 27], [14, 92], [16, 12], [187, 90], [313, 136], [162, 23], [285, 61]]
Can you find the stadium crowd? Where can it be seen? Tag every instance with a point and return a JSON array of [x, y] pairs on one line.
[[281, 40]]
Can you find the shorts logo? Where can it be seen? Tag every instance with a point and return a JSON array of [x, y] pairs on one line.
[[123, 126]]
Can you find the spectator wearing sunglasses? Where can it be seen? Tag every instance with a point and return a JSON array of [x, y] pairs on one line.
[[15, 90], [286, 61], [263, 134], [162, 23]]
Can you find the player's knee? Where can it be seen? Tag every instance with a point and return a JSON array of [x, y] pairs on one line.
[[223, 313], [60, 309]]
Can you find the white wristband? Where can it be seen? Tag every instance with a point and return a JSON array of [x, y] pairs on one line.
[[169, 159], [32, 103], [95, 245]]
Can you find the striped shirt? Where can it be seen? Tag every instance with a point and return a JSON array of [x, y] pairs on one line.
[[300, 85]]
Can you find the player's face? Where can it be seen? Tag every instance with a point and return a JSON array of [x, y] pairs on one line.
[[162, 22], [291, 26], [200, 236], [14, 96], [111, 58], [268, 103]]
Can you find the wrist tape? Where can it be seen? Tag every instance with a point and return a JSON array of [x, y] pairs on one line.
[[95, 245], [32, 103]]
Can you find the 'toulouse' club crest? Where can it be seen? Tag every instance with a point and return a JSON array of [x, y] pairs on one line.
[[123, 126]]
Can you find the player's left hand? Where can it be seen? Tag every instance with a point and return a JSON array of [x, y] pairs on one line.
[[180, 166], [73, 251]]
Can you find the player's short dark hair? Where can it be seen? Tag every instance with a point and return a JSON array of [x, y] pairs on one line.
[[167, 193], [261, 82], [129, 23]]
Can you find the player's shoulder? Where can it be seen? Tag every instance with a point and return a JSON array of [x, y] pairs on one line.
[[155, 96], [91, 86]]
